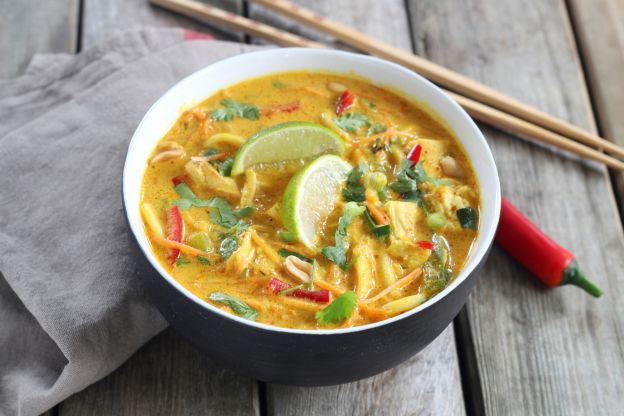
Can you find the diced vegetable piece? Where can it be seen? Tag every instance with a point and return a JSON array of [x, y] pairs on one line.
[[174, 231], [150, 215], [340, 309], [467, 218], [435, 221], [376, 180], [238, 306], [404, 304], [201, 241]]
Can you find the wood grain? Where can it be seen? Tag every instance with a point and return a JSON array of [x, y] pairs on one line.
[[599, 26], [539, 351], [428, 383], [32, 26], [167, 377], [100, 18]]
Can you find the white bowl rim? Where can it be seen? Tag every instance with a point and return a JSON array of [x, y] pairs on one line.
[[485, 236]]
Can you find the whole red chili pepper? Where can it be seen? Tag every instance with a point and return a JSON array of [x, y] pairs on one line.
[[345, 101], [277, 286], [174, 231], [551, 263], [414, 154]]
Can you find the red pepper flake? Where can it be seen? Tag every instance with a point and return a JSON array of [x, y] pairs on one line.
[[414, 154], [345, 101], [177, 180], [174, 231], [276, 286], [425, 244]]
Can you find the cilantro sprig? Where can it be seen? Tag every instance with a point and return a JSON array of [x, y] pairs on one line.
[[238, 306], [351, 122], [232, 108], [338, 253], [339, 310], [409, 176], [354, 190]]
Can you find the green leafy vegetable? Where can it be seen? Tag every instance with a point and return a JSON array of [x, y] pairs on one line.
[[225, 166], [339, 310], [351, 122], [376, 128], [467, 217], [379, 145], [284, 252], [376, 230], [233, 108], [408, 178], [354, 190], [228, 246], [211, 151], [238, 306], [277, 83], [338, 253], [437, 271]]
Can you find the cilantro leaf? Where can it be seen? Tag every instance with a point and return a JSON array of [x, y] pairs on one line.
[[351, 122], [354, 190], [233, 108], [182, 261], [238, 306], [376, 128], [408, 178], [225, 166], [284, 252], [203, 260], [338, 253], [339, 310]]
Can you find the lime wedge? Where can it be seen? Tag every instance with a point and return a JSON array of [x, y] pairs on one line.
[[311, 195], [292, 140]]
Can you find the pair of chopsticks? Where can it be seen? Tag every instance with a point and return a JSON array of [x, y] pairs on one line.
[[481, 102]]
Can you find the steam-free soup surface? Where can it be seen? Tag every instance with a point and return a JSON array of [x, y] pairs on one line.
[[399, 229]]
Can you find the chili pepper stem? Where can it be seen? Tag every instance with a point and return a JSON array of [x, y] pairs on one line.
[[574, 275]]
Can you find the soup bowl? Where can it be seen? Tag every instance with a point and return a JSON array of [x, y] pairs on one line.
[[296, 356]]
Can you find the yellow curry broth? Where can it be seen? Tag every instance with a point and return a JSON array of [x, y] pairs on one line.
[[387, 259]]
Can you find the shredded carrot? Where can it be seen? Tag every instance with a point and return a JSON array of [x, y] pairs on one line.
[[411, 276], [378, 215], [336, 291], [281, 108], [268, 250], [375, 314], [186, 249]]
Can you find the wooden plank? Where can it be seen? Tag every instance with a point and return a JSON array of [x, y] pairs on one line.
[[599, 26], [167, 377], [31, 26], [538, 351], [100, 18], [428, 383]]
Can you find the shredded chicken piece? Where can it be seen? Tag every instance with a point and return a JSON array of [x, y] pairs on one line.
[[300, 269], [205, 175], [241, 258], [167, 150], [249, 189]]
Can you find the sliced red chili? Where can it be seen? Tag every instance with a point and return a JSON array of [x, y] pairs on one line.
[[345, 101], [174, 231], [425, 244], [276, 286], [177, 180], [414, 154]]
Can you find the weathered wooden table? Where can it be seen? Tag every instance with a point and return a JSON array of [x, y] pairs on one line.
[[517, 348]]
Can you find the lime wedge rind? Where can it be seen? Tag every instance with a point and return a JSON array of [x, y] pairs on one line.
[[311, 195], [292, 140]]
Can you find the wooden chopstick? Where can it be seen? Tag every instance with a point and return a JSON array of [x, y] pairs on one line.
[[209, 14], [479, 111], [439, 74]]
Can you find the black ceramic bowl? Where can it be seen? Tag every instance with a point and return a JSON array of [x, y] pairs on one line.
[[306, 357]]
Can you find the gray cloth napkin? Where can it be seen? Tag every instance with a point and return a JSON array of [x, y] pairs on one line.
[[71, 309]]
